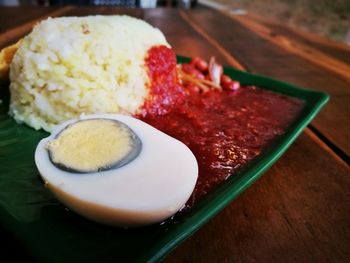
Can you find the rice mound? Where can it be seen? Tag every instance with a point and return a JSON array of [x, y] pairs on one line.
[[73, 65]]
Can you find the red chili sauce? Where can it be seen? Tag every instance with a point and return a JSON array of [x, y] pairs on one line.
[[224, 129], [165, 89]]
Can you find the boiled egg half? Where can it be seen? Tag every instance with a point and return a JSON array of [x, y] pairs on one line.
[[116, 169]]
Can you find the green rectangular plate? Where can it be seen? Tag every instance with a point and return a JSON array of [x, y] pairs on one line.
[[51, 233]]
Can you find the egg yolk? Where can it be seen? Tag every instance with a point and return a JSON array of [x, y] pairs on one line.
[[94, 145]]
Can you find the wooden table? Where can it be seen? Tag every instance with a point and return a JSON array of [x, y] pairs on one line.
[[299, 211]]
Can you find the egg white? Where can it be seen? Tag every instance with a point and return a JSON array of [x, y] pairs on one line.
[[147, 190]]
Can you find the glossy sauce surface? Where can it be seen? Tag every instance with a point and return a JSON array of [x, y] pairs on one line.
[[165, 89], [224, 129]]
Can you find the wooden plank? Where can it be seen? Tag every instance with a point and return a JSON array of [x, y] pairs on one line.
[[12, 34], [337, 50], [297, 212], [104, 10], [10, 17], [334, 121], [220, 241], [298, 48], [306, 37], [260, 56], [185, 40], [232, 61]]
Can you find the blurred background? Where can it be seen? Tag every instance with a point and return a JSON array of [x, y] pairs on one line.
[[328, 18]]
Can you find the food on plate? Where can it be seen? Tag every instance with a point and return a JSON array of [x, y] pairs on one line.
[[199, 75], [72, 65], [119, 169], [151, 187], [226, 127]]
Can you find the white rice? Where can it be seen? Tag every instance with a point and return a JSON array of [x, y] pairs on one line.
[[73, 65]]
